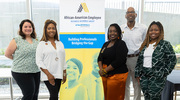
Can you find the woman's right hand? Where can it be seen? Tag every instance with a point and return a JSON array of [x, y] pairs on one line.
[[51, 79], [49, 76], [138, 79], [11, 49], [101, 73]]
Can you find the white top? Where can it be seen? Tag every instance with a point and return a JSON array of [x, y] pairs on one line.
[[46, 58], [134, 37], [148, 55]]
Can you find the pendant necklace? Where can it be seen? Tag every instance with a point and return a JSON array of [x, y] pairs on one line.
[[56, 55], [56, 58]]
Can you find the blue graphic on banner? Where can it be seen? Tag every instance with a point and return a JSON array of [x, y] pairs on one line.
[[82, 40]]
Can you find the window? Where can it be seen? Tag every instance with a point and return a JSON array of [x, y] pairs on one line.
[[43, 10], [168, 14], [12, 12]]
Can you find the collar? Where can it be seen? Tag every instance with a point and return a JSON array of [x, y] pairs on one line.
[[50, 42], [135, 25]]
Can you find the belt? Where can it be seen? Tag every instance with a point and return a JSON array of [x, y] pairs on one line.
[[132, 55]]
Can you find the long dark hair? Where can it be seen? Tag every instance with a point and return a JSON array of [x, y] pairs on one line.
[[33, 34], [147, 39], [45, 36]]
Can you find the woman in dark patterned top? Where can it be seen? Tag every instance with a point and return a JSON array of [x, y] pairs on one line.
[[156, 60], [112, 64]]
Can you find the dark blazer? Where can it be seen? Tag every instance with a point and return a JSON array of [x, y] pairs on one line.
[[163, 60]]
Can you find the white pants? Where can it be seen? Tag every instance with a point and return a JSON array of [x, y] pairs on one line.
[[131, 63]]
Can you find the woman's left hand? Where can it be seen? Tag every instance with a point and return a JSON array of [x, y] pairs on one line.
[[138, 79], [101, 73], [64, 79], [64, 76]]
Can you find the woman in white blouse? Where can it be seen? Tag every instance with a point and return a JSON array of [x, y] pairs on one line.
[[50, 57]]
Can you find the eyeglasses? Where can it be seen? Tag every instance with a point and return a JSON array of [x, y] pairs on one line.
[[132, 12]]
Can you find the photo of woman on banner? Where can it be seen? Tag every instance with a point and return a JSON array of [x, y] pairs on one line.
[[93, 81], [74, 90], [112, 64], [50, 58]]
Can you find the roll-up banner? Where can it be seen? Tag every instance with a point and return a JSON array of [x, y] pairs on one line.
[[82, 33]]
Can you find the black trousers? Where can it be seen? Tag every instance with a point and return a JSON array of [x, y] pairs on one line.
[[29, 84], [53, 90]]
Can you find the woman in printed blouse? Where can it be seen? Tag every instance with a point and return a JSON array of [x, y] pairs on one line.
[[22, 51], [156, 60], [50, 58], [112, 64]]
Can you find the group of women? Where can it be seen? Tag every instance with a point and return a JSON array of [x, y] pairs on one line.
[[31, 56]]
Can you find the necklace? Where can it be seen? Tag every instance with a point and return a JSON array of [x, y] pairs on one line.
[[56, 58], [56, 55], [103, 49], [153, 44]]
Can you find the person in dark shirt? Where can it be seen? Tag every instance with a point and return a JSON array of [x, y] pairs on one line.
[[112, 64]]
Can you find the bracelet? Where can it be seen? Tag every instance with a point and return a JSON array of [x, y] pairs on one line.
[[104, 71], [64, 74]]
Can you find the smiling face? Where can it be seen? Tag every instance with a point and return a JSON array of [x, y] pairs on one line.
[[113, 34], [51, 30], [72, 71], [154, 32], [131, 14], [27, 29]]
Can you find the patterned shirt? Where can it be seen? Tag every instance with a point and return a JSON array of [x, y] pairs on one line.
[[24, 60]]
